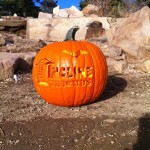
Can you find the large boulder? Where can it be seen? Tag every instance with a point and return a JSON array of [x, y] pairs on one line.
[[68, 12], [44, 15], [94, 30], [74, 12], [147, 66], [92, 9], [116, 65], [56, 29], [61, 14], [11, 62], [56, 10], [133, 33], [144, 66]]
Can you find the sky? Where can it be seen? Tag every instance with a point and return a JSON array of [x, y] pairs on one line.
[[67, 3]]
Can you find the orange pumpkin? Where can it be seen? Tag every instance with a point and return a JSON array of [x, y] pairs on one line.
[[70, 73]]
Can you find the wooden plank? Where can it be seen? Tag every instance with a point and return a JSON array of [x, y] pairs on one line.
[[13, 23]]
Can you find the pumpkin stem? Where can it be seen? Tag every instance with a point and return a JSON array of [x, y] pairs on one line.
[[71, 33]]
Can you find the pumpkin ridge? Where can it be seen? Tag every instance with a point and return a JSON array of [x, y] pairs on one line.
[[95, 62], [89, 50], [103, 68], [47, 53], [75, 86], [86, 84], [80, 45], [63, 90], [42, 53], [98, 66], [64, 65], [106, 70], [74, 43], [62, 93], [85, 95]]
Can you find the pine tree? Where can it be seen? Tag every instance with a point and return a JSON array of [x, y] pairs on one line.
[[7, 7], [20, 7], [107, 6], [146, 2], [83, 3], [117, 6], [26, 8], [48, 5]]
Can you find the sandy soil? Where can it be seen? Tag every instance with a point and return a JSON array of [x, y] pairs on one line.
[[119, 119]]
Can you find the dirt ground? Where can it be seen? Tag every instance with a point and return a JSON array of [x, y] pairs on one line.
[[118, 120]]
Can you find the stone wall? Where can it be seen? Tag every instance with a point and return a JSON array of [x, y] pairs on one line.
[[55, 29]]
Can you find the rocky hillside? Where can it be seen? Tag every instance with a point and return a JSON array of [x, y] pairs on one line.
[[125, 42]]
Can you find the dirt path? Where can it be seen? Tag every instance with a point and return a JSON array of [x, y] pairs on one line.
[[119, 120], [75, 134]]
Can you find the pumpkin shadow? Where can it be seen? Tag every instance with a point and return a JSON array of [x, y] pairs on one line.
[[22, 67], [114, 86]]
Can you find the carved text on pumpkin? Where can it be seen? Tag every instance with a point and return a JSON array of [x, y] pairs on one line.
[[63, 76]]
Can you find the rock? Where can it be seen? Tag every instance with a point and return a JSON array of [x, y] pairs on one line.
[[115, 21], [42, 43], [105, 24], [62, 14], [26, 60], [56, 29], [18, 44], [15, 15], [118, 66], [1, 119], [44, 15], [108, 121], [92, 9], [6, 69], [143, 66], [94, 30], [108, 50], [56, 10], [114, 52], [68, 12], [132, 34], [93, 15], [28, 18], [2, 28], [25, 42], [9, 42], [74, 12], [11, 62], [2, 41], [13, 23], [147, 66], [12, 17]]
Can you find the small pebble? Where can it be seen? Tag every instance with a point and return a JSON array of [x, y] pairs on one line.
[[112, 142]]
